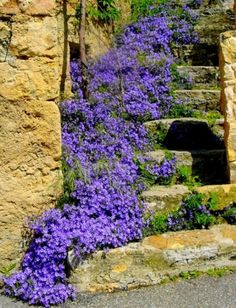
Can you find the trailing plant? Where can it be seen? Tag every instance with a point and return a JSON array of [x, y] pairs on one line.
[[184, 176], [102, 133], [229, 214], [193, 213], [157, 135], [104, 11]]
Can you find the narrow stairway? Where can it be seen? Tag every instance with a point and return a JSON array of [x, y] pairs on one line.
[[194, 132]]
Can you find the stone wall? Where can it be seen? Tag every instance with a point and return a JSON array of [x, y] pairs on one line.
[[30, 146], [36, 40], [228, 97]]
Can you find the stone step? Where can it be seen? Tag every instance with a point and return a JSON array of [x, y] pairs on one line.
[[213, 21], [210, 5], [201, 54], [208, 165], [164, 199], [198, 77], [155, 259], [186, 134], [205, 100]]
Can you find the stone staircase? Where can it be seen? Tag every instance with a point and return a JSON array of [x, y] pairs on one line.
[[197, 143]]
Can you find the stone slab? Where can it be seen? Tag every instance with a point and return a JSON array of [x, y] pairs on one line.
[[165, 199], [156, 258], [226, 193]]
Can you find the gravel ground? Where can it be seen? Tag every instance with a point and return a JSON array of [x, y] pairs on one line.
[[203, 292]]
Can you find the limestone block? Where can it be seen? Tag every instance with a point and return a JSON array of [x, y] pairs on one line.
[[228, 96], [37, 7], [9, 7], [31, 7], [228, 45], [156, 258], [34, 37], [36, 78], [226, 194], [229, 72], [30, 179]]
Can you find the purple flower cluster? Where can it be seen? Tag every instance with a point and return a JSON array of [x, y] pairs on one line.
[[102, 138]]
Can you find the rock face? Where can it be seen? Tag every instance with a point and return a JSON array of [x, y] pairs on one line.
[[228, 97], [31, 61]]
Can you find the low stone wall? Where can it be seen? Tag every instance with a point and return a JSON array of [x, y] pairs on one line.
[[157, 258], [30, 142]]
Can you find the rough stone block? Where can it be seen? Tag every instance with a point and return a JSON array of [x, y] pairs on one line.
[[30, 180], [36, 78], [35, 37], [226, 194], [157, 258], [9, 7], [37, 7], [228, 96]]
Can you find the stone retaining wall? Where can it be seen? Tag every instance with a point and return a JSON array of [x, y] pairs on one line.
[[228, 97], [36, 38], [30, 143]]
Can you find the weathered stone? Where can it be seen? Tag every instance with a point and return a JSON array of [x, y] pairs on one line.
[[37, 7], [30, 179], [205, 100], [36, 78], [226, 194], [202, 77], [9, 7], [31, 57], [34, 37], [157, 258], [228, 97], [165, 199]]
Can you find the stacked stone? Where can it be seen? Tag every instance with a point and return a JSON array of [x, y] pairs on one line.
[[31, 63], [228, 97]]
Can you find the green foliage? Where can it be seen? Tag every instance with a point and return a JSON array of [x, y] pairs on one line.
[[184, 176], [229, 214], [219, 272], [157, 225], [180, 80], [141, 8], [146, 177], [7, 270], [212, 201], [210, 116], [70, 176], [180, 111], [194, 213], [189, 275], [157, 135], [105, 11]]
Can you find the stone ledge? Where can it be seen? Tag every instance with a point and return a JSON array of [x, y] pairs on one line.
[[226, 194], [157, 258]]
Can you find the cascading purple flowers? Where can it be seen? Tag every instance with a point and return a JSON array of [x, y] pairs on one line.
[[102, 138]]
